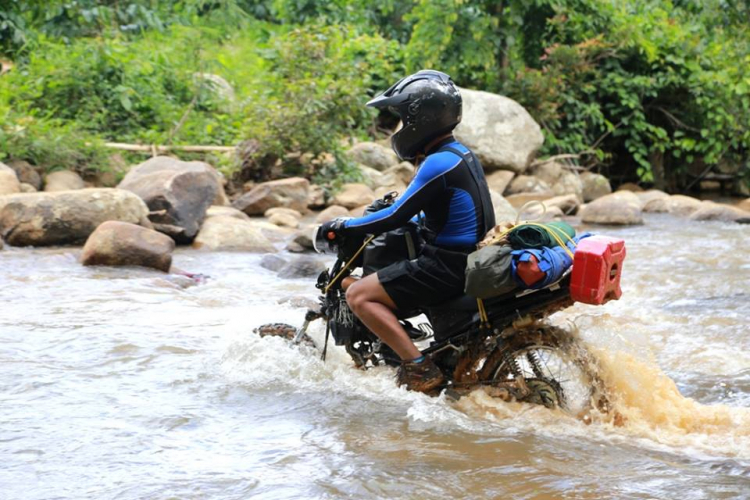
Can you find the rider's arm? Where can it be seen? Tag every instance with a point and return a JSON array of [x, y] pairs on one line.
[[428, 183]]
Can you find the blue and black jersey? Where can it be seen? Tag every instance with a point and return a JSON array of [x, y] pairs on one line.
[[449, 188]]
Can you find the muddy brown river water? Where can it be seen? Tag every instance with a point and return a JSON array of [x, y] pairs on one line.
[[127, 384]]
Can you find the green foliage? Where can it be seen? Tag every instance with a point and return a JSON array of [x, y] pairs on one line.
[[648, 88], [657, 86], [50, 143], [13, 34], [457, 37], [321, 78]]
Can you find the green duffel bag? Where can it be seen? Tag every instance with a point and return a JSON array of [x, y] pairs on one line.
[[488, 272], [535, 235]]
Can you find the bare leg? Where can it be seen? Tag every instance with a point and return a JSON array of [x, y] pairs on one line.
[[369, 301]]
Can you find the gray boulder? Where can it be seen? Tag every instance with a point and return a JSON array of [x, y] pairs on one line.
[[401, 173], [373, 155], [116, 243], [499, 131], [9, 183], [63, 180], [559, 179], [272, 262], [26, 173], [230, 233], [216, 210], [291, 193], [66, 217], [679, 205], [500, 180], [331, 212], [620, 208], [528, 184], [537, 214], [302, 267], [374, 178], [354, 195], [630, 186], [178, 193], [303, 238], [594, 186], [568, 204], [504, 211], [718, 212], [316, 197], [273, 232], [520, 199], [646, 197], [283, 219]]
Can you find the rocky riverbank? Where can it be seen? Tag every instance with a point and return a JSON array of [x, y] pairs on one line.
[[165, 201]]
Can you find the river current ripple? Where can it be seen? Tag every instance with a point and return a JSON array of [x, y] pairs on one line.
[[129, 384]]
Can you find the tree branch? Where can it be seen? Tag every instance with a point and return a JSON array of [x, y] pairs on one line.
[[151, 148], [567, 156]]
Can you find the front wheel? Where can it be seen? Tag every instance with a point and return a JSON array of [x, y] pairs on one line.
[[548, 366]]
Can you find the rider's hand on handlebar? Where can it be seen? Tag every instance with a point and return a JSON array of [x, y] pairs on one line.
[[330, 234], [333, 229]]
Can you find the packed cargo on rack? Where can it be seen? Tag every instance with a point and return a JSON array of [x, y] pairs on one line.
[[532, 255]]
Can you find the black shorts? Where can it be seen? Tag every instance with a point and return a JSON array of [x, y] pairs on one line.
[[435, 276]]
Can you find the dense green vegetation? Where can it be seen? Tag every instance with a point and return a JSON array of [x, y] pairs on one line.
[[642, 88]]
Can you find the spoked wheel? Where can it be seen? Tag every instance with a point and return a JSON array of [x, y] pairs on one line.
[[546, 366]]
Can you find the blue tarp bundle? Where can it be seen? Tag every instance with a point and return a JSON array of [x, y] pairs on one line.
[[552, 261]]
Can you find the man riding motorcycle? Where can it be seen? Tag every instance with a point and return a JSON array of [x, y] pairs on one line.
[[451, 200]]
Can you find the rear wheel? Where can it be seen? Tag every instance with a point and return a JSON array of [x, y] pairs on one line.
[[548, 366]]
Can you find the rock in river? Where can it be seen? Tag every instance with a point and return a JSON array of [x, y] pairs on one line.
[[679, 205], [620, 208], [66, 217], [594, 186], [559, 179], [272, 262], [290, 193], [123, 244], [178, 193], [719, 212], [229, 233], [302, 267]]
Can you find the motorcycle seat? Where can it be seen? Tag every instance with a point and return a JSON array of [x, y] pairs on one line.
[[467, 303], [463, 302]]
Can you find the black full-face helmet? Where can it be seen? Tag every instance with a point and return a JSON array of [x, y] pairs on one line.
[[429, 105]]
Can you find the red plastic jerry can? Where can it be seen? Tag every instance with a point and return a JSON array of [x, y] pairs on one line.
[[597, 268]]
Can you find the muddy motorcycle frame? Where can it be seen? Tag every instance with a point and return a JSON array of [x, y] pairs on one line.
[[502, 343]]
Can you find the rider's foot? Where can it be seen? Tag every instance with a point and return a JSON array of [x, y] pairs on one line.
[[423, 376]]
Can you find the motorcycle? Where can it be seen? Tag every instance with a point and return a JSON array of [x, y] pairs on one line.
[[503, 344]]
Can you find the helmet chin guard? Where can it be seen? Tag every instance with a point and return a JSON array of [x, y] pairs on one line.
[[429, 105]]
